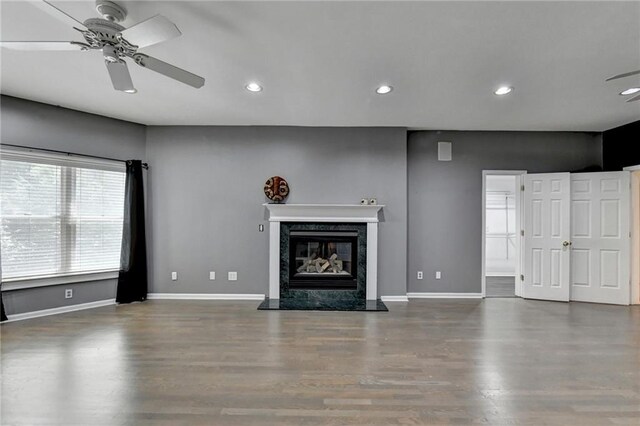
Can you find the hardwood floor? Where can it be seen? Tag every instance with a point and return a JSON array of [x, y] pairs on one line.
[[497, 361], [500, 286]]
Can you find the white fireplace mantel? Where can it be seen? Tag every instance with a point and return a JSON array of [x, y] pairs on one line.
[[323, 212], [347, 213]]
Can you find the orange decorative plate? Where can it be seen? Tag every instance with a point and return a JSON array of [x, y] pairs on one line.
[[276, 189]]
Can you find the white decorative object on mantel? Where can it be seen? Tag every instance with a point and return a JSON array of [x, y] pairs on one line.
[[318, 213]]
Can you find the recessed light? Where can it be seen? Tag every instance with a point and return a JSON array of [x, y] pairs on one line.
[[503, 90], [253, 87], [630, 91], [384, 89], [131, 91]]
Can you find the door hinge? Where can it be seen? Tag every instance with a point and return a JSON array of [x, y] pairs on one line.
[[522, 188], [521, 277], [522, 232]]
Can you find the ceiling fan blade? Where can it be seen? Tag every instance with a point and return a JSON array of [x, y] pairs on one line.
[[41, 45], [57, 13], [120, 76], [635, 98], [169, 70], [626, 74], [153, 30]]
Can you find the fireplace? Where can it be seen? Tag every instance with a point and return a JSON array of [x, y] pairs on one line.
[[323, 260], [349, 231]]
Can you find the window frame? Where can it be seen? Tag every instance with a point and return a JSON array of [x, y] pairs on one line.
[[33, 155]]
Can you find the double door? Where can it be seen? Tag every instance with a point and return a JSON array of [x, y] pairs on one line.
[[577, 237]]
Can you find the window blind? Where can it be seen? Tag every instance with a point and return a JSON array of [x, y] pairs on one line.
[[60, 215]]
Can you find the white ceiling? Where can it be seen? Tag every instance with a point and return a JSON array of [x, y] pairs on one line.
[[320, 62]]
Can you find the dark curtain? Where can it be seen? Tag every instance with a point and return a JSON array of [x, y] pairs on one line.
[[132, 279], [3, 315]]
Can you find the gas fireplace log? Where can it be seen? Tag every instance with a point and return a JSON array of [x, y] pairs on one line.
[[309, 264], [336, 265], [305, 266], [319, 265]]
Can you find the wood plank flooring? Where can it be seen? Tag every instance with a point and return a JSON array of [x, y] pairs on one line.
[[494, 361], [500, 286]]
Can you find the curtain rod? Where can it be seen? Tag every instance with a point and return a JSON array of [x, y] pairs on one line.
[[144, 165]]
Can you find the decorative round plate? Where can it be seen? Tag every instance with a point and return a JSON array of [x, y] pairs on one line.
[[276, 188]]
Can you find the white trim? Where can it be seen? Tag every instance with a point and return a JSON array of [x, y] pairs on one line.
[[632, 168], [204, 296], [323, 212], [24, 283], [635, 237], [520, 224], [394, 298], [27, 154], [60, 310], [372, 261], [274, 260], [445, 295]]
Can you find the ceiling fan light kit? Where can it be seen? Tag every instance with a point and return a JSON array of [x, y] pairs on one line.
[[116, 43], [631, 90]]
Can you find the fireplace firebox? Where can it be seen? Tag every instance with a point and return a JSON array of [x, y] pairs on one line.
[[323, 260]]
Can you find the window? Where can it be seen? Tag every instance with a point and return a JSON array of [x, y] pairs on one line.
[[60, 215]]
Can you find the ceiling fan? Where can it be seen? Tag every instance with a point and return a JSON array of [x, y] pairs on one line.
[[623, 75], [116, 42]]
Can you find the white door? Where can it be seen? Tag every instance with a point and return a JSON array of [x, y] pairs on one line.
[[600, 236], [547, 257]]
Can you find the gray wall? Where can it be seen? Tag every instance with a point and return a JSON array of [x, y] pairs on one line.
[[206, 191], [445, 198], [45, 126]]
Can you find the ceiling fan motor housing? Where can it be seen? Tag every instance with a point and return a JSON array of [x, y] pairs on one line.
[[111, 11], [105, 31]]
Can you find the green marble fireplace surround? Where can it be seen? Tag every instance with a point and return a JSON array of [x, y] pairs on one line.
[[352, 223], [323, 295]]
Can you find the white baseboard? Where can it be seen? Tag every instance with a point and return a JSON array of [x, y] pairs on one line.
[[444, 295], [60, 310], [394, 298], [203, 296]]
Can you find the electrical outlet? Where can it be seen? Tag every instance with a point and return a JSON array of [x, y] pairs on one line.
[[174, 276], [212, 275], [420, 275], [68, 293], [233, 276], [438, 275]]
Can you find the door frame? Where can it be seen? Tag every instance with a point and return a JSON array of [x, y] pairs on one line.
[[635, 233], [519, 174]]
